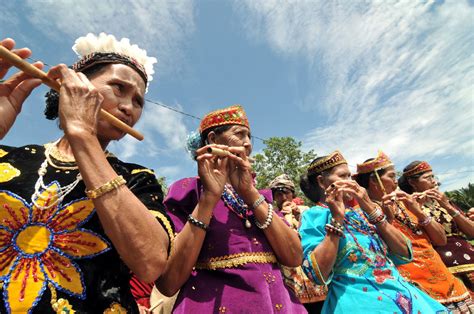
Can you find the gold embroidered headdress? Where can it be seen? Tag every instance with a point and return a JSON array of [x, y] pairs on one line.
[[227, 116], [328, 162], [378, 163]]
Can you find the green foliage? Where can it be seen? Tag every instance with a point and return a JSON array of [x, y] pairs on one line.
[[164, 186], [463, 197], [281, 155]]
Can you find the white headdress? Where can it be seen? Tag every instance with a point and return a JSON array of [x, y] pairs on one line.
[[88, 45]]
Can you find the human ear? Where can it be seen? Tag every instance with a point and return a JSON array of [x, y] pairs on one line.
[[211, 138]]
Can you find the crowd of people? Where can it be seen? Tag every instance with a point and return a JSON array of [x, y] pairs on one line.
[[83, 231]]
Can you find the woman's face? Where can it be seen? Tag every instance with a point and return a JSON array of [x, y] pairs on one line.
[[123, 90], [424, 182], [389, 180], [237, 135], [338, 173]]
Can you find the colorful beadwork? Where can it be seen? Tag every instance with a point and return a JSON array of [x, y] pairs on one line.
[[420, 168], [226, 116], [37, 247], [236, 204]]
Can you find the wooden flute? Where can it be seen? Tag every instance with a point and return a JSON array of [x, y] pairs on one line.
[[29, 69]]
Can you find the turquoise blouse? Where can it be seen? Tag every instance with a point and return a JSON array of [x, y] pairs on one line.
[[364, 278]]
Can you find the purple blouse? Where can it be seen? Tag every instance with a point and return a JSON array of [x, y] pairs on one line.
[[236, 271]]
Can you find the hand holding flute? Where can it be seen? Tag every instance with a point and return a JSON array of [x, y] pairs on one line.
[[12, 59], [14, 90]]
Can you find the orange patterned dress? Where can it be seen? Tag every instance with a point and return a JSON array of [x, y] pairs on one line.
[[427, 270]]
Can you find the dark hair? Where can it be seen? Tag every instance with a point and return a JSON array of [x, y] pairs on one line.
[[52, 97], [364, 178], [309, 184], [403, 180], [218, 130]]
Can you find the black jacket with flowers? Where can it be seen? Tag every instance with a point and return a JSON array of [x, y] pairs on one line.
[[61, 253]]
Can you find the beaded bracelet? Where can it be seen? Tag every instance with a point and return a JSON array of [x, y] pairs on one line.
[[375, 213], [381, 221], [198, 223], [425, 222], [336, 224], [378, 219], [268, 220], [259, 201], [106, 187], [376, 216], [332, 229]]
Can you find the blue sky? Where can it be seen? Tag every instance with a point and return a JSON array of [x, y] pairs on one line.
[[351, 75]]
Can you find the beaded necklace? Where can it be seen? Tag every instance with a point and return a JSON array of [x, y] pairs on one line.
[[359, 222], [402, 216], [363, 226], [236, 204], [40, 186]]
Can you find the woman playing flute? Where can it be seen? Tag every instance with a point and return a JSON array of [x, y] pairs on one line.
[[354, 250], [427, 270], [458, 254], [230, 240], [74, 219]]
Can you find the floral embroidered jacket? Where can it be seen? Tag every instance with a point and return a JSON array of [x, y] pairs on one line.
[[61, 255], [364, 278], [427, 270]]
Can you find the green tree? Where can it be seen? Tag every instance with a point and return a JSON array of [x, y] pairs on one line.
[[281, 155], [164, 186], [463, 197]]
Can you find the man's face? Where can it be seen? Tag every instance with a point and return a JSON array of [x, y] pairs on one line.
[[282, 195]]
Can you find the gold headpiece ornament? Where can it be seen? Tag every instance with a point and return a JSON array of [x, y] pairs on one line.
[[420, 168], [378, 163], [320, 165]]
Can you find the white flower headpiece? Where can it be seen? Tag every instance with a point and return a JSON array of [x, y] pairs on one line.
[[108, 43]]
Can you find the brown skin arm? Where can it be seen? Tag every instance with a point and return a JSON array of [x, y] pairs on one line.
[[464, 224], [121, 214], [394, 239], [188, 243], [434, 230], [326, 252]]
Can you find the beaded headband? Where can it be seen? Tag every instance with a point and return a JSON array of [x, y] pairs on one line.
[[420, 168], [328, 162], [227, 116], [380, 162], [92, 49], [109, 57]]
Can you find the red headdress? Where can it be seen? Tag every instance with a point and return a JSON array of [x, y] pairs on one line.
[[227, 116]]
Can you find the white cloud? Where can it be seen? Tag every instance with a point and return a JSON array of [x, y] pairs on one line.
[[160, 26], [395, 75], [164, 132], [456, 178]]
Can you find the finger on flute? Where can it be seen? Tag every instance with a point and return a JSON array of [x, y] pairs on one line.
[[218, 152], [33, 71]]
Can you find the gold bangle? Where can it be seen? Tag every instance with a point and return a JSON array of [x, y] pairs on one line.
[[106, 187]]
